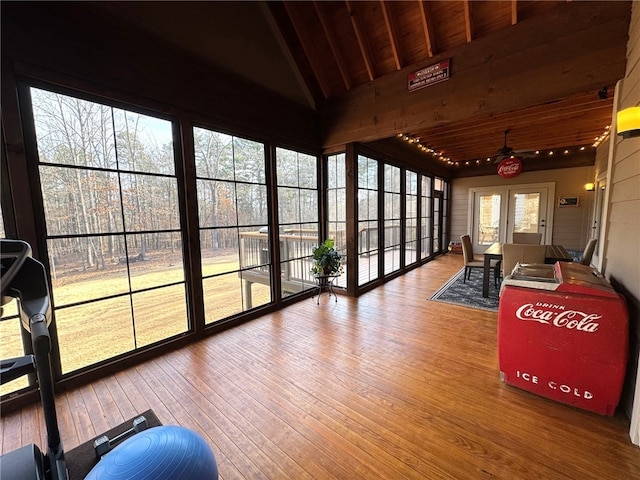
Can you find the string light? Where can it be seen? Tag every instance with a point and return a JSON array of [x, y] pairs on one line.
[[425, 148], [601, 138], [440, 155]]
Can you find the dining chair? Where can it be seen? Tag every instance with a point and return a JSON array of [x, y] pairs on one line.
[[528, 238], [588, 252], [470, 262], [512, 253]]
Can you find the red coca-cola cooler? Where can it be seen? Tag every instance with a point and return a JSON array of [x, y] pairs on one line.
[[563, 334]]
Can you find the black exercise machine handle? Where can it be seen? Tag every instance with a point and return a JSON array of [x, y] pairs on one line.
[[13, 368]]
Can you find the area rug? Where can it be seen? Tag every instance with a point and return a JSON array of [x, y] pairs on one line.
[[82, 459], [468, 294]]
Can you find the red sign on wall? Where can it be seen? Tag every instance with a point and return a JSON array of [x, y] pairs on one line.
[[424, 77], [510, 167]]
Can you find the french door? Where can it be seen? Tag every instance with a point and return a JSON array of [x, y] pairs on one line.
[[497, 212]]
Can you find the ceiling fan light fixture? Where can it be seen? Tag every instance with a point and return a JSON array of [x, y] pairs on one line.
[[628, 121]]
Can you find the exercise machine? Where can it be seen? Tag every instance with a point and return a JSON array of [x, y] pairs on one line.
[[24, 279]]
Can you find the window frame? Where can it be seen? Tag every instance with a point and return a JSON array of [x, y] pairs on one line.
[[33, 166]]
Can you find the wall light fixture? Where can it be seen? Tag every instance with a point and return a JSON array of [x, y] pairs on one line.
[[629, 122]]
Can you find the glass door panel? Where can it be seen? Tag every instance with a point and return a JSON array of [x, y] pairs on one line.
[[488, 225], [527, 211], [437, 221], [489, 218]]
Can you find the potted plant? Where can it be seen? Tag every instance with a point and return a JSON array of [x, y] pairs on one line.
[[326, 259]]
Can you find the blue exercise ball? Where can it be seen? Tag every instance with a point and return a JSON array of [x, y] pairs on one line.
[[159, 453]]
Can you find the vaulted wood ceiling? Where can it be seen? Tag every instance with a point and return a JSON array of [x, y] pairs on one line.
[[543, 70], [348, 43], [345, 48]]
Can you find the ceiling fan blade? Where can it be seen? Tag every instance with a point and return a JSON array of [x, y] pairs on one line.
[[506, 151]]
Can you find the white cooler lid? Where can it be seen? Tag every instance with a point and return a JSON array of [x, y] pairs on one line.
[[532, 275]]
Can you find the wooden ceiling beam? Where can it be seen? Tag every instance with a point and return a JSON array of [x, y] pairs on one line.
[[307, 46], [468, 25], [365, 51], [542, 60], [427, 27], [335, 49], [385, 7]]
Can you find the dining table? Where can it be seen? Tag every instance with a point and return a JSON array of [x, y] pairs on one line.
[[553, 254]]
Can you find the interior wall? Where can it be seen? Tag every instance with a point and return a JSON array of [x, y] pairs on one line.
[[571, 225], [622, 249]]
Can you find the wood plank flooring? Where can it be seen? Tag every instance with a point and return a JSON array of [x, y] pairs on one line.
[[386, 386]]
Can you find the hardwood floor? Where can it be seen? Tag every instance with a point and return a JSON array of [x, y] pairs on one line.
[[386, 386]]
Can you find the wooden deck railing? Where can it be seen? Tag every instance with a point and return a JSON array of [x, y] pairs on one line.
[[296, 249]]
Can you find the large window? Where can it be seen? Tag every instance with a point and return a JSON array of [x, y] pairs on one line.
[[440, 214], [426, 232], [367, 234], [114, 242], [337, 208], [297, 175], [411, 216], [392, 218], [233, 217]]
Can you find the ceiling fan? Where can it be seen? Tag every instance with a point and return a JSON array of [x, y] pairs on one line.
[[506, 151]]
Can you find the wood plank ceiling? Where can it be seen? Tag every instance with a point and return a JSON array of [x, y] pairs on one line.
[[341, 46]]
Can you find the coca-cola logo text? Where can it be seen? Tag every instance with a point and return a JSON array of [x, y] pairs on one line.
[[571, 319], [510, 167]]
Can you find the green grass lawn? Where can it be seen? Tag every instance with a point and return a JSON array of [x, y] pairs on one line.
[[104, 328]]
